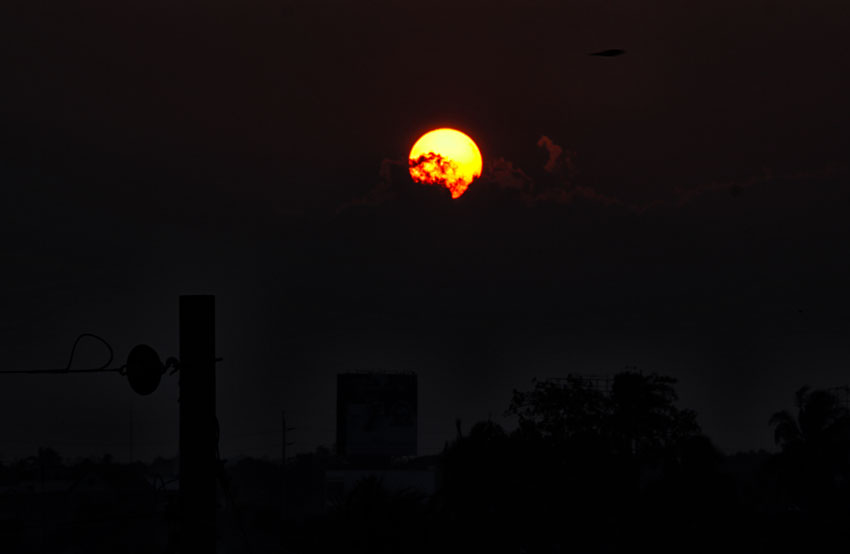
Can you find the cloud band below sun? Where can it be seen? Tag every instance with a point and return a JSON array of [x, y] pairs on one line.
[[434, 169]]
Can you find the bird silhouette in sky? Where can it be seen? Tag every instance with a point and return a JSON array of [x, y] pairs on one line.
[[608, 53]]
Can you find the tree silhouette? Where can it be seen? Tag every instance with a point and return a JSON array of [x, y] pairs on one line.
[[814, 463], [560, 410], [637, 416], [592, 450], [372, 519], [821, 421], [644, 416], [477, 496]]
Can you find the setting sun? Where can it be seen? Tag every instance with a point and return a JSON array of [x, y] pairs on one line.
[[447, 158]]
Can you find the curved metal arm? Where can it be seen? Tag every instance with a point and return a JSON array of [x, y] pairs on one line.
[[101, 369]]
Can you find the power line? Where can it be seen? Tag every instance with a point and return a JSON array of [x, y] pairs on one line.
[[63, 371]]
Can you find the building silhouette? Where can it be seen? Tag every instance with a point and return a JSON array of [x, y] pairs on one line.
[[376, 419]]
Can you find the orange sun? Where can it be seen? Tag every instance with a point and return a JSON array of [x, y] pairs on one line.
[[447, 158]]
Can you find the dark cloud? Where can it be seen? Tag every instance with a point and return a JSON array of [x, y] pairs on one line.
[[556, 160], [555, 185], [558, 184], [765, 188], [506, 176]]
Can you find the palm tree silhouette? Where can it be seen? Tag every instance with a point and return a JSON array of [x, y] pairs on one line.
[[815, 459]]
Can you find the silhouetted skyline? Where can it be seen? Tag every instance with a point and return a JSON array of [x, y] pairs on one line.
[[613, 464]]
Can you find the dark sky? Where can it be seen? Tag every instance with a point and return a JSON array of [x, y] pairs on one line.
[[694, 223]]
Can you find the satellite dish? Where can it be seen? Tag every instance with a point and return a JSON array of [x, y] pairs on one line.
[[144, 369]]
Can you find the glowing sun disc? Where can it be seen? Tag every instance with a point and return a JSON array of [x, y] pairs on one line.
[[446, 158]]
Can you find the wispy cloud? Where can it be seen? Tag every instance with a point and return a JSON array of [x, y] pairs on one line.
[[557, 184]]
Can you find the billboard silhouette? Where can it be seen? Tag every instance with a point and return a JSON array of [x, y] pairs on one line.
[[376, 415]]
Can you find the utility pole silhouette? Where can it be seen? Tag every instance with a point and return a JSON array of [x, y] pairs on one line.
[[130, 430], [198, 426], [284, 444]]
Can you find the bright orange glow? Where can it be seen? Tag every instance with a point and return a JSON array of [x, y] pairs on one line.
[[447, 158]]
